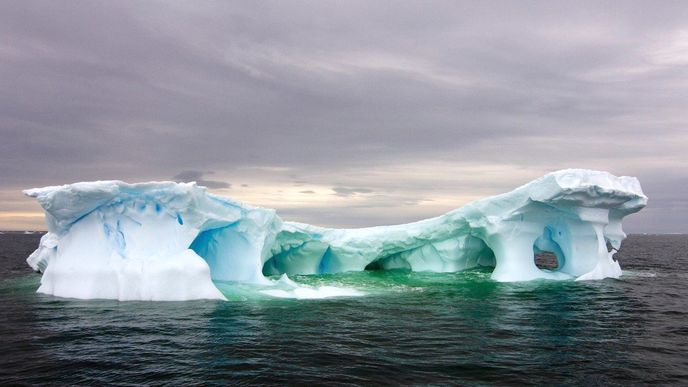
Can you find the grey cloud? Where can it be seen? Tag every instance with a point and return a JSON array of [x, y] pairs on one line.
[[349, 191], [140, 91], [197, 176], [308, 191]]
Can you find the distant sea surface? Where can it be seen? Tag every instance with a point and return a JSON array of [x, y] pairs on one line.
[[408, 328]]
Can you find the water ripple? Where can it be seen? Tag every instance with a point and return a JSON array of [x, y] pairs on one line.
[[408, 328]]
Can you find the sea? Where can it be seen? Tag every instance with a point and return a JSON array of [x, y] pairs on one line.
[[401, 328]]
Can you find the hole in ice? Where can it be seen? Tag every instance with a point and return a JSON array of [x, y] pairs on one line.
[[610, 247], [392, 262], [547, 253], [546, 260], [374, 266]]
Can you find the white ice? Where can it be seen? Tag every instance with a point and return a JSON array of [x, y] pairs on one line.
[[286, 288], [169, 241]]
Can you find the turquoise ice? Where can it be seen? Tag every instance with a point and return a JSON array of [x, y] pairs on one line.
[[171, 241]]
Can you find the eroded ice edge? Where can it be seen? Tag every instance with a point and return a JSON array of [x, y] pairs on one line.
[[170, 241]]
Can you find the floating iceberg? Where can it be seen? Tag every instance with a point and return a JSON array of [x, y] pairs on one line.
[[171, 241]]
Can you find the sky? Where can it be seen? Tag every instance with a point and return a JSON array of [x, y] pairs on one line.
[[344, 113]]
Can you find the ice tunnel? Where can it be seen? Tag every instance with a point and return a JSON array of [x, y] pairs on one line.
[[174, 241]]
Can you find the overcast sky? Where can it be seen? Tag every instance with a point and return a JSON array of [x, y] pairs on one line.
[[344, 113]]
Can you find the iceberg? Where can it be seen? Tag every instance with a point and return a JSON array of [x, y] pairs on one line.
[[174, 241]]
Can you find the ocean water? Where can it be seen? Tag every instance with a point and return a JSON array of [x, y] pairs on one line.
[[405, 328]]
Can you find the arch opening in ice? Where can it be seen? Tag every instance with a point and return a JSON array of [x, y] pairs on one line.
[[548, 255]]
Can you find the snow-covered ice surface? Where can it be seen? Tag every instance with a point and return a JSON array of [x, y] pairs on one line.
[[174, 241]]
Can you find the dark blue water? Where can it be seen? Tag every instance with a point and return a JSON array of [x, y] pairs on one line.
[[410, 328]]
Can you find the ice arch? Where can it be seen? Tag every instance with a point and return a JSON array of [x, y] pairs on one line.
[[456, 253], [169, 241]]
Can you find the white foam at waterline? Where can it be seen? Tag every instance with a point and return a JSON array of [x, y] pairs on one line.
[[308, 293], [305, 292]]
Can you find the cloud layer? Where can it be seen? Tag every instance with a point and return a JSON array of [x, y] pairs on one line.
[[345, 113], [197, 176]]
